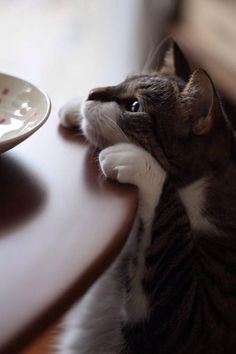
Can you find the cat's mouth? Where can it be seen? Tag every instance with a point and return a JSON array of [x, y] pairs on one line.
[[99, 123]]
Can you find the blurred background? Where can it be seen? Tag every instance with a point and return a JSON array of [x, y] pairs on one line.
[[68, 47]]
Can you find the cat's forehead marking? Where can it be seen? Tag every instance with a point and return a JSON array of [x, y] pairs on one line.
[[146, 80], [150, 85], [135, 84]]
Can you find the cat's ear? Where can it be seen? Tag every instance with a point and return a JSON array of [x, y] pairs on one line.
[[202, 102], [169, 59]]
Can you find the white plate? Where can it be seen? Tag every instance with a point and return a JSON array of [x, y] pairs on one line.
[[23, 109]]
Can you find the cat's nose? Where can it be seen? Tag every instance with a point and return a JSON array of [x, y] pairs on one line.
[[98, 94]]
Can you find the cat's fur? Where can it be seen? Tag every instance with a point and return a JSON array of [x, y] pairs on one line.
[[172, 289]]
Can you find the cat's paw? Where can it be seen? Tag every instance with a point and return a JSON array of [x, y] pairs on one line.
[[118, 162], [129, 163], [69, 114]]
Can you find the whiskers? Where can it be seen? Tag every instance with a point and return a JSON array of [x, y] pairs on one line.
[[116, 129]]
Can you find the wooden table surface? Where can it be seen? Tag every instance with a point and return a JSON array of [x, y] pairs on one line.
[[61, 223]]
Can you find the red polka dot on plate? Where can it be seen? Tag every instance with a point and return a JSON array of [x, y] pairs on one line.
[[5, 91]]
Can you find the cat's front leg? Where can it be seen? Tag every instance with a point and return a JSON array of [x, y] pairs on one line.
[[129, 163]]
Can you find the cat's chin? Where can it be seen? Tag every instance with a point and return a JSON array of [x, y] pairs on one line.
[[99, 123], [88, 125], [91, 134]]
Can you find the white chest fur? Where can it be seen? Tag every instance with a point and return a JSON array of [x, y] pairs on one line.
[[193, 197]]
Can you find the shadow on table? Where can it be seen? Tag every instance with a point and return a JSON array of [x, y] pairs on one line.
[[21, 194], [72, 135]]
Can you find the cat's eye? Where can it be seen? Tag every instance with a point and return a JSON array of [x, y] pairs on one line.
[[134, 106]]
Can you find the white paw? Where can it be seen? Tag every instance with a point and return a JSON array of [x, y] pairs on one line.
[[128, 163], [69, 114], [118, 162]]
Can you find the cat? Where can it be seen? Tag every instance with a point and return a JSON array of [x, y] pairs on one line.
[[172, 289]]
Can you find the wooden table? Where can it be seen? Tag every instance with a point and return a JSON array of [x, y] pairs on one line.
[[61, 226]]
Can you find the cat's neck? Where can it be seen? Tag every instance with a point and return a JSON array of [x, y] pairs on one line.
[[210, 201], [217, 162]]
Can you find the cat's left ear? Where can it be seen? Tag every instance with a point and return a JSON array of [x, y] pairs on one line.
[[169, 59], [202, 102]]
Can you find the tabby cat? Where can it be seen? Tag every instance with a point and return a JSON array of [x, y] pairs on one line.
[[172, 289]]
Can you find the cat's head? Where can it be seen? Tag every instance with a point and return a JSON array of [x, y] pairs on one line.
[[174, 114]]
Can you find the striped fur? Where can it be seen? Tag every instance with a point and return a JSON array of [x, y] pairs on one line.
[[191, 284]]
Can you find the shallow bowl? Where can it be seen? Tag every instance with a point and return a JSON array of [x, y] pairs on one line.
[[23, 110]]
